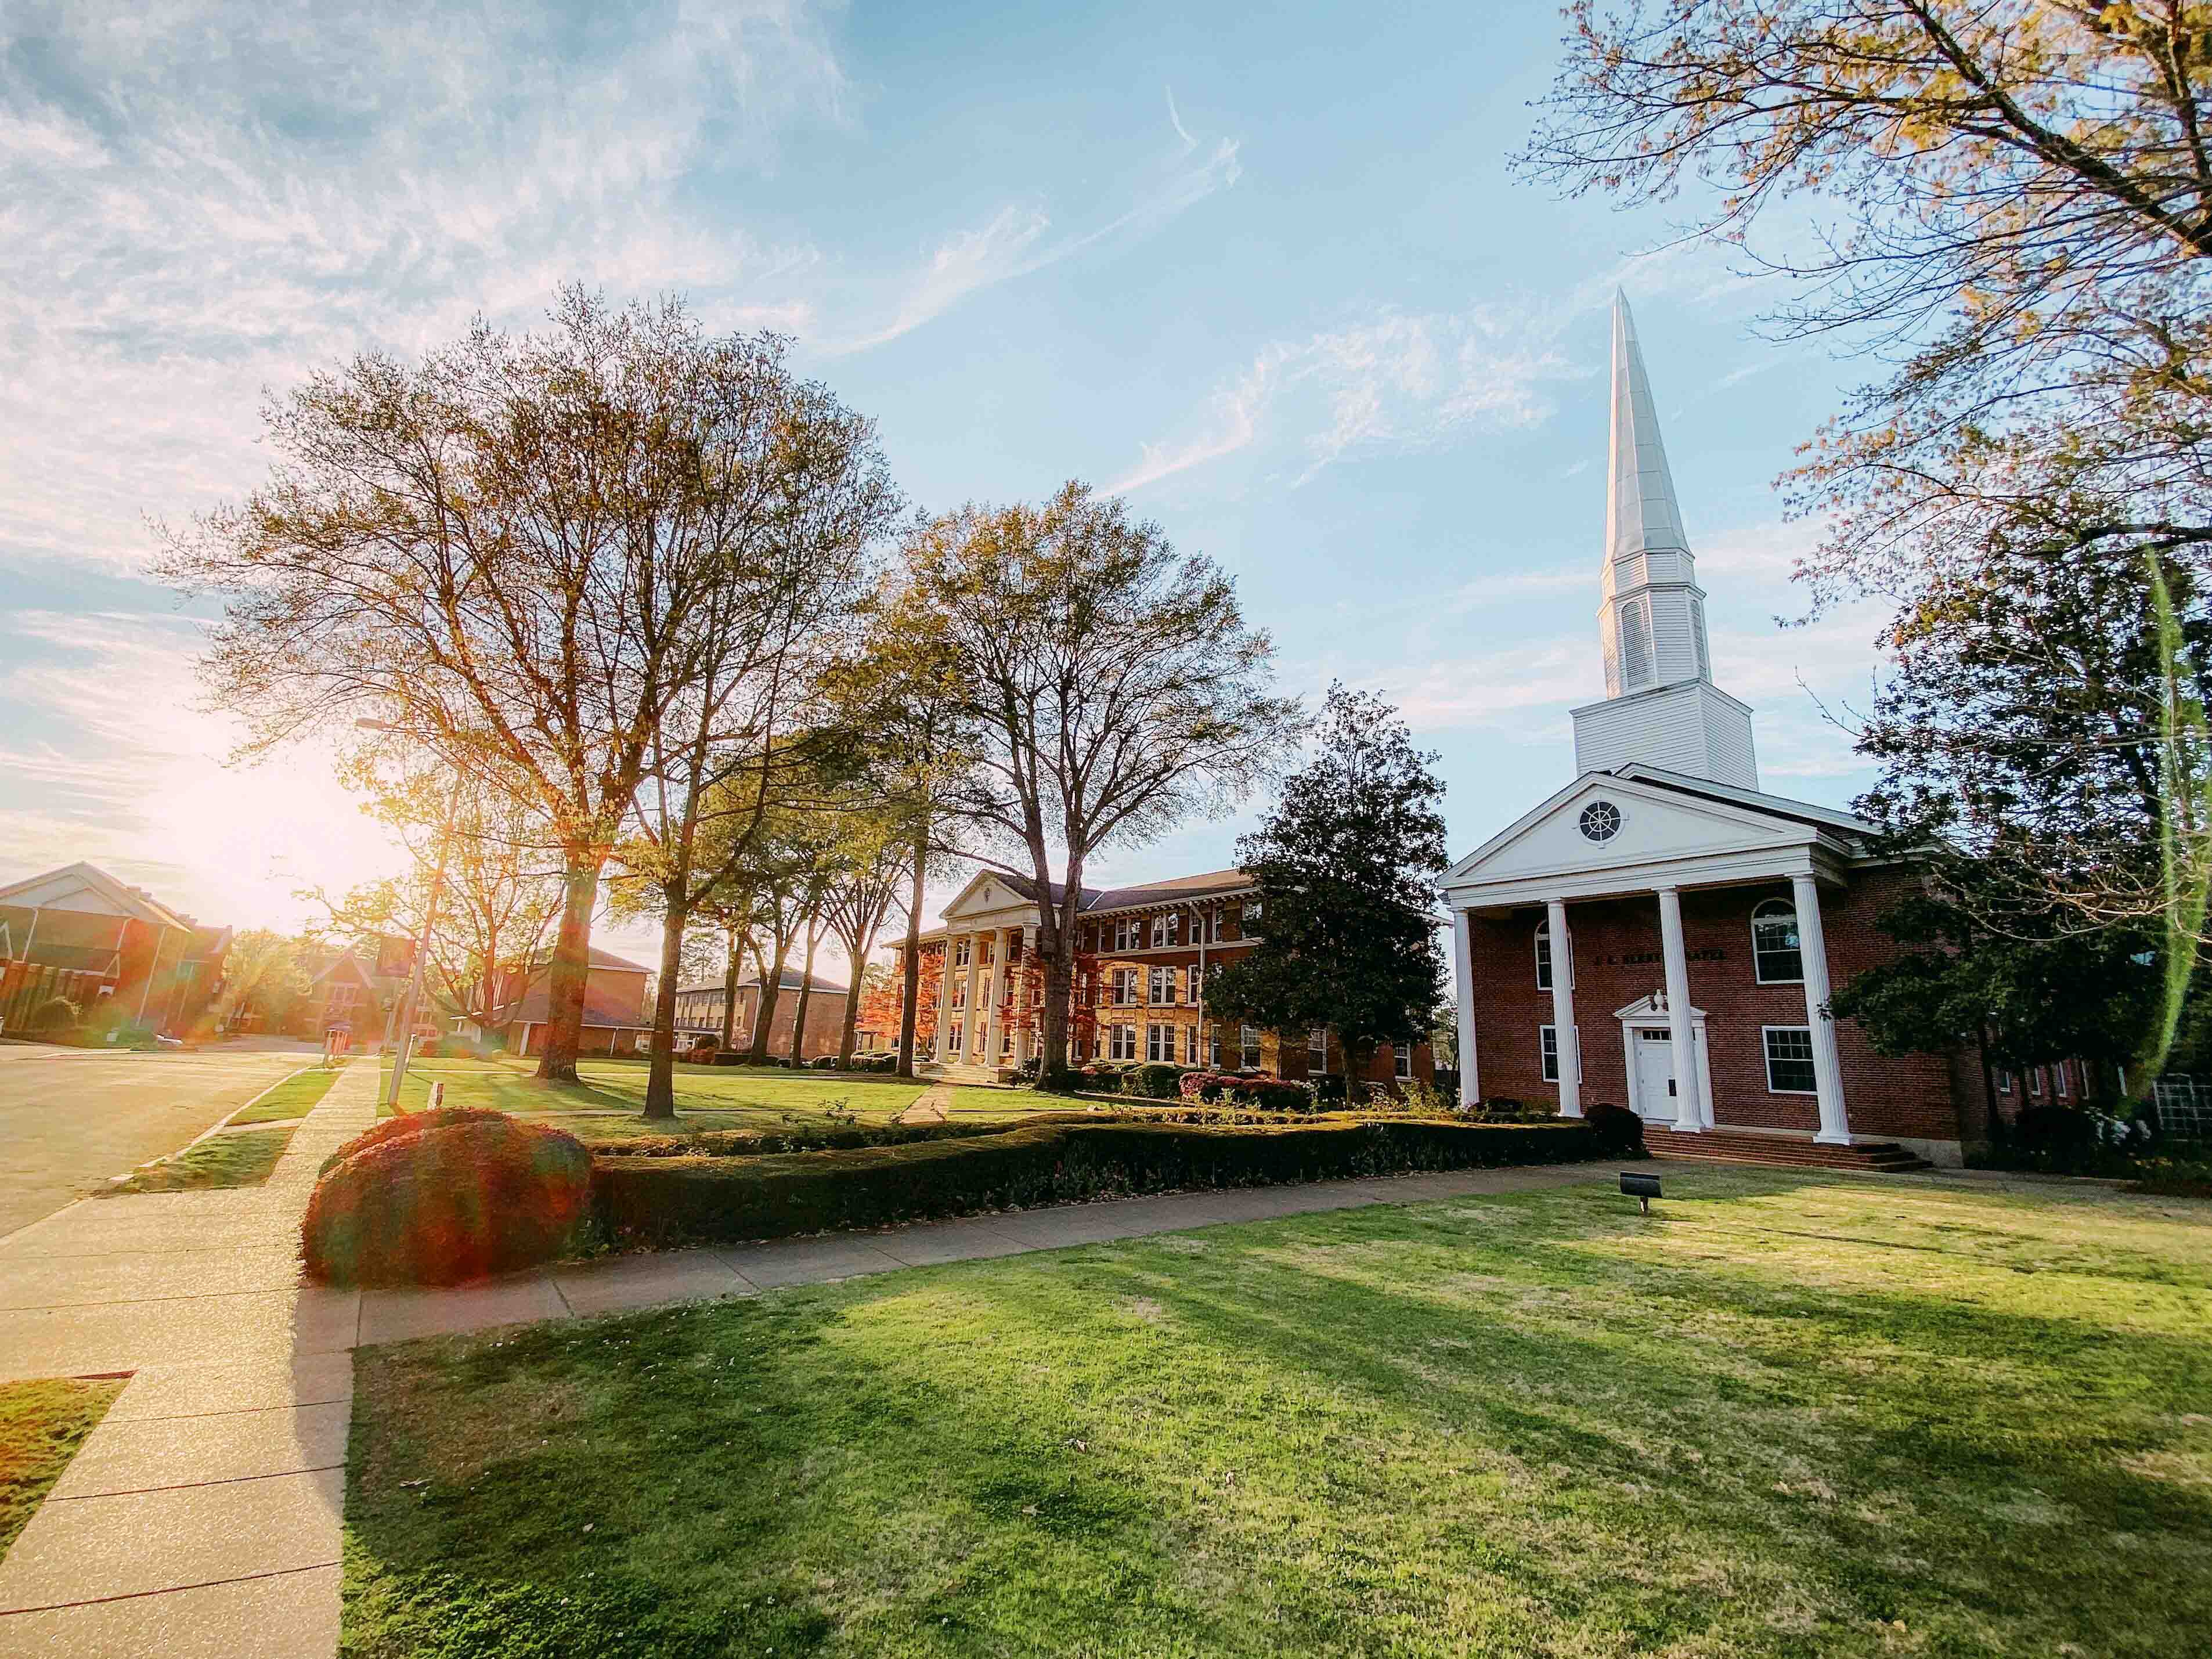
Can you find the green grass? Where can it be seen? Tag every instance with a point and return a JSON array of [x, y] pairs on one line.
[[294, 1096], [41, 1425], [612, 1092], [243, 1159], [1781, 1415]]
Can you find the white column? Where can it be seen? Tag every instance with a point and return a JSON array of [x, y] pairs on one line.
[[945, 1000], [1470, 1086], [1827, 1069], [974, 994], [1680, 1026], [1563, 1010], [997, 995]]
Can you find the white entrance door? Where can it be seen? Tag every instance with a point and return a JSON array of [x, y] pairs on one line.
[[1655, 1075]]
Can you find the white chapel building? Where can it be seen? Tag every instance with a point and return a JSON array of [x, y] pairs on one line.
[[1663, 935]]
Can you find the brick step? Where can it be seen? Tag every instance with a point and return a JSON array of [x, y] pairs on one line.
[[1880, 1158]]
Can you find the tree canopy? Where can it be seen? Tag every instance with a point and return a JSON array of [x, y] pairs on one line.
[[1346, 865]]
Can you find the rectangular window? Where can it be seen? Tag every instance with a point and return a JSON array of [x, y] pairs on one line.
[[2060, 1076], [960, 993], [1123, 1042], [1190, 1046], [957, 1044], [1125, 988], [1789, 1059], [1196, 995], [1317, 1051], [1547, 1046], [1159, 1043], [960, 948], [1213, 1047], [1544, 957], [1403, 1054], [1006, 1039], [2004, 1083], [1247, 1044], [1162, 987]]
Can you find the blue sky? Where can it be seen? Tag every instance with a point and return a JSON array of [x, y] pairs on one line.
[[1261, 268]]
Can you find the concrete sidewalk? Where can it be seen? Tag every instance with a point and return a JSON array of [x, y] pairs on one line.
[[202, 1517]]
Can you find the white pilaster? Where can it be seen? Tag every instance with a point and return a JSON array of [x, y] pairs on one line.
[[1680, 1026], [1827, 1068], [945, 1003], [1470, 1086], [1563, 1010]]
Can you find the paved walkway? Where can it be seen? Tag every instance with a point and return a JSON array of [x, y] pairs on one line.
[[201, 1515], [932, 1105]]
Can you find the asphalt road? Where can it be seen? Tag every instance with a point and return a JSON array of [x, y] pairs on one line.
[[71, 1117]]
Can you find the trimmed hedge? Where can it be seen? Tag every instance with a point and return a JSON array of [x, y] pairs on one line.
[[1264, 1094], [667, 1201], [406, 1127], [451, 1201]]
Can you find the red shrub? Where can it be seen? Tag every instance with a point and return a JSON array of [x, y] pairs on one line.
[[406, 1128], [439, 1203]]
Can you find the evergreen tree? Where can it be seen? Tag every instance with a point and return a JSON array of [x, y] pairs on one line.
[[1347, 866]]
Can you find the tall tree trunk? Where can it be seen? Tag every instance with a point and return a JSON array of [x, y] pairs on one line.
[[805, 994], [771, 988], [1056, 940], [730, 972], [1356, 1062], [660, 1071], [910, 971], [852, 1020], [572, 966]]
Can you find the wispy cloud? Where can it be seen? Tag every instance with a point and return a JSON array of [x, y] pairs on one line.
[[1393, 380], [197, 201], [1019, 239]]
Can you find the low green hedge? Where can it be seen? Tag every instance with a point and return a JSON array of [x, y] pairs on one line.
[[674, 1200]]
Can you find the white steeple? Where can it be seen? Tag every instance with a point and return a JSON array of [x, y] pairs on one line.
[[1660, 705]]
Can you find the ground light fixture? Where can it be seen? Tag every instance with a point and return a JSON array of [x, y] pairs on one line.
[[1641, 1187]]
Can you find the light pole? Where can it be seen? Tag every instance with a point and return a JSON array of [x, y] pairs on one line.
[[405, 1046]]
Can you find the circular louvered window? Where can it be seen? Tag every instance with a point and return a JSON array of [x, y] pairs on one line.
[[1600, 820]]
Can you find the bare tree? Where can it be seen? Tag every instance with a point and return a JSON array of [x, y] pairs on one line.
[[519, 551], [863, 892], [1114, 688]]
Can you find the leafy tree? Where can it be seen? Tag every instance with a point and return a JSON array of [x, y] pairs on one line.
[[264, 976], [1347, 866], [521, 551], [1113, 688], [864, 891]]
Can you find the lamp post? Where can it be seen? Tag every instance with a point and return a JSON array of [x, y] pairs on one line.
[[405, 1046]]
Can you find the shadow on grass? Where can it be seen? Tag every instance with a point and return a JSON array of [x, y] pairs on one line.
[[1513, 1426]]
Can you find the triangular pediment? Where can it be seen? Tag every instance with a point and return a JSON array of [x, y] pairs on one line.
[[988, 893], [1646, 823], [1652, 1004]]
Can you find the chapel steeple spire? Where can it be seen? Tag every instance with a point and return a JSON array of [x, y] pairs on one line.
[[1651, 612]]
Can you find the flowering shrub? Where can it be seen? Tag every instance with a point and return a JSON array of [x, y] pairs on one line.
[[435, 1203]]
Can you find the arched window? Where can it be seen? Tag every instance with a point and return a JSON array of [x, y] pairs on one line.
[[1775, 957]]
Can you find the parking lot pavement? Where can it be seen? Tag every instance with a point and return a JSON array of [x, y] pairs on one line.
[[71, 1117]]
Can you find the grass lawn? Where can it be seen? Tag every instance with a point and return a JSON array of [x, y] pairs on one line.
[[293, 1098], [613, 1091], [243, 1159], [41, 1425], [1783, 1414]]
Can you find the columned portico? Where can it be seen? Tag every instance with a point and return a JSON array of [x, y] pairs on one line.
[[1563, 1012], [1827, 1068], [996, 991], [1689, 1117], [974, 993]]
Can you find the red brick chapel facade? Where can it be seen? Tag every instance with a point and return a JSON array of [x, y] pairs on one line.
[[1662, 933]]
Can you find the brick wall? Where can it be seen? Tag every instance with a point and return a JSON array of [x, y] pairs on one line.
[[1617, 960]]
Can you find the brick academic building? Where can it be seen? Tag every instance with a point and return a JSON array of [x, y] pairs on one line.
[[1662, 934], [1143, 955]]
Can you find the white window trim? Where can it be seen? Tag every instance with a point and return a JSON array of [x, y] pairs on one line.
[[1543, 937], [1401, 1061], [1553, 1058], [1758, 970], [1766, 1059]]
